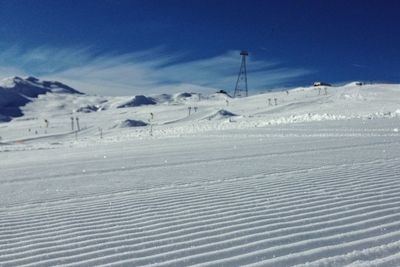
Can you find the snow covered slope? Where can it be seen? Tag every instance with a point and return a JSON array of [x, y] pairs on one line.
[[16, 92], [169, 114], [209, 181]]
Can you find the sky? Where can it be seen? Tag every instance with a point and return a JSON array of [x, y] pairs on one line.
[[126, 47]]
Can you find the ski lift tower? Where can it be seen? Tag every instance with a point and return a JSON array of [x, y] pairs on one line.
[[241, 83]]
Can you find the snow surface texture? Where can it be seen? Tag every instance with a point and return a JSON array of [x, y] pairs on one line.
[[311, 181]]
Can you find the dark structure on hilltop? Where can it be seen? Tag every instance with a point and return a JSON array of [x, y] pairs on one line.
[[241, 83]]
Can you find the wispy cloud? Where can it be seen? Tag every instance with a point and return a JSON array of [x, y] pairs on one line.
[[143, 72]]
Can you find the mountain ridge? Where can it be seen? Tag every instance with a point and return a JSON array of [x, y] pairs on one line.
[[16, 92]]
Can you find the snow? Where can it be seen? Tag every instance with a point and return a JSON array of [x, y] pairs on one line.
[[221, 114], [132, 123], [138, 100], [88, 108], [16, 92], [311, 181]]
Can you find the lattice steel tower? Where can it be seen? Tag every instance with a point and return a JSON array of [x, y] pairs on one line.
[[241, 83]]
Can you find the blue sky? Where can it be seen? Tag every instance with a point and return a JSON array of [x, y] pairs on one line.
[[126, 47]]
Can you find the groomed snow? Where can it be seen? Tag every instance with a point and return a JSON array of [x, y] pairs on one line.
[[311, 181]]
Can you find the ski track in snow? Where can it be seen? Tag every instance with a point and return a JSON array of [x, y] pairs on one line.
[[313, 209]]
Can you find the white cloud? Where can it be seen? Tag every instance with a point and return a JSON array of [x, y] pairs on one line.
[[144, 72]]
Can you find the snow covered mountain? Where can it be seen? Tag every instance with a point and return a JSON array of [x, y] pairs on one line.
[[175, 114], [16, 92]]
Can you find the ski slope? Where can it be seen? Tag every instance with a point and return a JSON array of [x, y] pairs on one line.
[[312, 181]]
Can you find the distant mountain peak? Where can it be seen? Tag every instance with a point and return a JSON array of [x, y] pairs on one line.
[[32, 86], [16, 92], [32, 79]]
